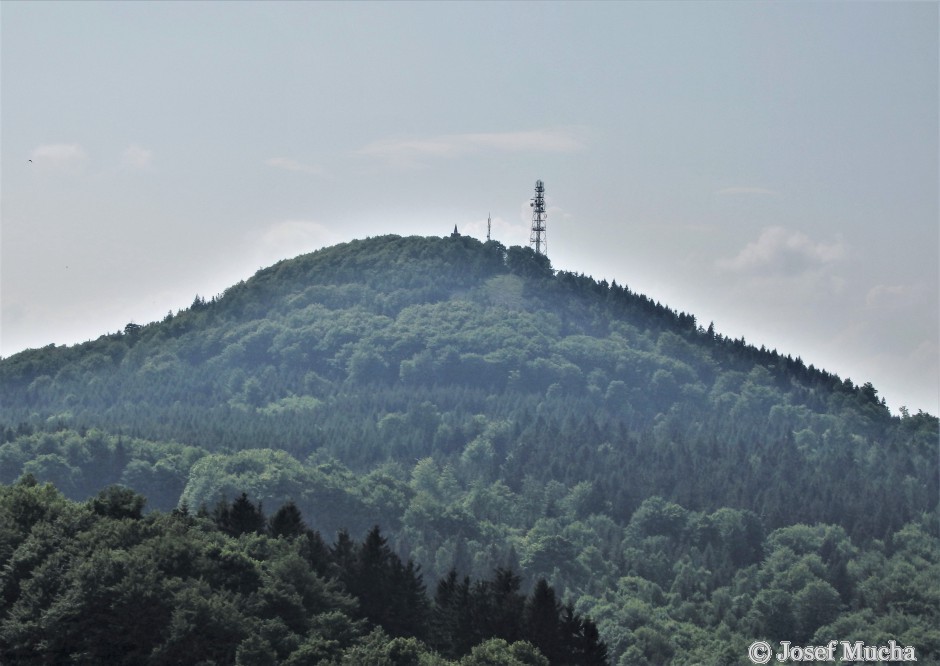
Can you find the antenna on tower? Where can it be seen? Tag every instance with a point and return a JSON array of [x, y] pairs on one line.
[[538, 238], [489, 223]]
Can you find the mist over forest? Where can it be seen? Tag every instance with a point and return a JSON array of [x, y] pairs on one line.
[[421, 450]]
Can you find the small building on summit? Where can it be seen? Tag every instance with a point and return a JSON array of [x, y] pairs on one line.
[[455, 234]]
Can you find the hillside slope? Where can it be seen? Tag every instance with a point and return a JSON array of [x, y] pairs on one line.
[[487, 411]]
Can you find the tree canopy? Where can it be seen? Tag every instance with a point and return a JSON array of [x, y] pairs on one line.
[[682, 488]]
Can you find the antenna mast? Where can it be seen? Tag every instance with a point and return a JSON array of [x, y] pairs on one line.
[[537, 238], [489, 222]]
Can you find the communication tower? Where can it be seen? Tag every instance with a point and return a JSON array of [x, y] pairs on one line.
[[489, 222], [537, 238]]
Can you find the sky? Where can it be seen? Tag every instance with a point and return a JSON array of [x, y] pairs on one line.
[[769, 167]]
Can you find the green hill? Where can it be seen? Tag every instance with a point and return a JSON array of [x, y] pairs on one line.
[[690, 492]]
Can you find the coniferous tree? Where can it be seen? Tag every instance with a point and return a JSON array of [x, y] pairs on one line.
[[589, 649], [243, 517], [452, 629], [541, 621], [287, 521], [316, 552], [505, 605]]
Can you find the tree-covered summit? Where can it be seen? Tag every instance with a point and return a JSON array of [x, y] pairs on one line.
[[391, 276], [489, 412]]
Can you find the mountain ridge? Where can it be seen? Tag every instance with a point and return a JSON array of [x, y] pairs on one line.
[[332, 270], [390, 317], [490, 412]]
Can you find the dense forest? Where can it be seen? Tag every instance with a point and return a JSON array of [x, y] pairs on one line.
[[99, 583], [542, 432]]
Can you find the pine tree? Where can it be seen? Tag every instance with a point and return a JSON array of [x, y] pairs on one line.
[[541, 621], [287, 522], [239, 517]]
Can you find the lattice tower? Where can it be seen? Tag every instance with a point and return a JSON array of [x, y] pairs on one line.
[[537, 237]]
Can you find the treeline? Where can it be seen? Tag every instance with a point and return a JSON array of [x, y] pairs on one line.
[[376, 280], [98, 582], [101, 582], [598, 436], [666, 585], [489, 413]]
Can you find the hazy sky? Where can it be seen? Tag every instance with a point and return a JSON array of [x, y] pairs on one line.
[[770, 167]]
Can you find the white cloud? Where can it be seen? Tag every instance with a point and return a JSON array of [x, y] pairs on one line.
[[884, 296], [137, 157], [58, 155], [410, 152], [780, 250], [293, 165]]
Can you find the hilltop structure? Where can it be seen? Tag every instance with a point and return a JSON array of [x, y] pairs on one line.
[[538, 238]]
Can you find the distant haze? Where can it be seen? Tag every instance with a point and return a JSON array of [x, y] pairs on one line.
[[769, 167]]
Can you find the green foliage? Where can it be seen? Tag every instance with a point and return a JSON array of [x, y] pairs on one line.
[[688, 491], [89, 584], [118, 502]]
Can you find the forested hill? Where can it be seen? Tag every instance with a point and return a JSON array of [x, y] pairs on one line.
[[682, 488]]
